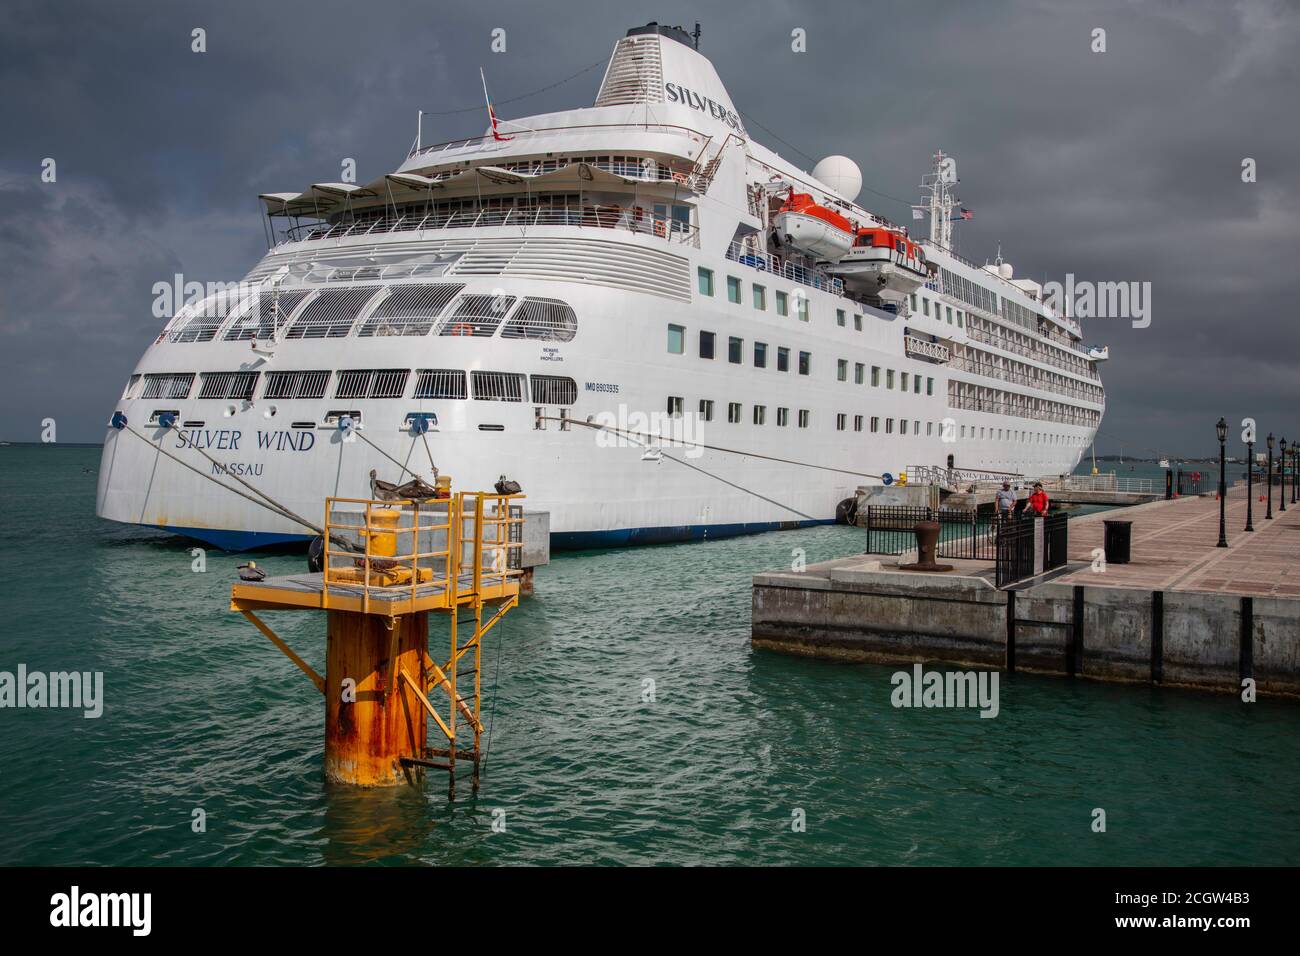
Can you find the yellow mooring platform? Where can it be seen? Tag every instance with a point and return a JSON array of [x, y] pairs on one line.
[[387, 565]]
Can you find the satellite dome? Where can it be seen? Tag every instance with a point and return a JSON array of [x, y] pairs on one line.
[[841, 174]]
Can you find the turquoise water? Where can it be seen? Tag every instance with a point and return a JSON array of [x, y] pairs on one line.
[[202, 712]]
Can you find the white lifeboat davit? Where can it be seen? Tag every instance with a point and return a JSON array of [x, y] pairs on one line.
[[886, 262], [812, 228]]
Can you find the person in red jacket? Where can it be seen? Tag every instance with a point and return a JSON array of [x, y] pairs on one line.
[[1038, 501]]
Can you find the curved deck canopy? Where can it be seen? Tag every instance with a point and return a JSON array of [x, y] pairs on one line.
[[321, 200]]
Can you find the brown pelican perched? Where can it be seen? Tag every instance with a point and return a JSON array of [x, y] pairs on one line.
[[251, 572], [417, 489], [505, 486]]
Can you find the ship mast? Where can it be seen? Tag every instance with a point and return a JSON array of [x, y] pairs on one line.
[[939, 198]]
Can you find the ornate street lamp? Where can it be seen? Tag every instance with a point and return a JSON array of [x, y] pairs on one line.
[[1222, 429], [1269, 485], [1250, 475], [1295, 472], [1281, 488]]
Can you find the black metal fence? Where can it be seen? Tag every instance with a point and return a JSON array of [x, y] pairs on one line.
[[962, 533], [1016, 554], [1195, 482]]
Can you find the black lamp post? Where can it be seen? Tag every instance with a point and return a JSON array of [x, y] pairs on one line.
[[1222, 429], [1281, 490], [1269, 486], [1250, 476], [1295, 475]]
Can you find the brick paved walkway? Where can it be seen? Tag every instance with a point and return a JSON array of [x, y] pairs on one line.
[[1174, 548]]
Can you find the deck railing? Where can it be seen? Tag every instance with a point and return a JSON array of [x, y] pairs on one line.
[[765, 262], [586, 217]]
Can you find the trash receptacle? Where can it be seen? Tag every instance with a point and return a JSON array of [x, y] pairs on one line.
[[1118, 540]]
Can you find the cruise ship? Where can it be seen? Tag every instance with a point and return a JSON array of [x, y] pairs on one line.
[[662, 329]]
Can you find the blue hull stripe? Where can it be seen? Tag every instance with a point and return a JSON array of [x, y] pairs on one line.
[[560, 541]]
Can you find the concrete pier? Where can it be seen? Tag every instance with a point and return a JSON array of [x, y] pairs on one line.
[[1183, 612]]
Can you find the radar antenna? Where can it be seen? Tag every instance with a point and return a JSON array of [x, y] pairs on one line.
[[939, 199]]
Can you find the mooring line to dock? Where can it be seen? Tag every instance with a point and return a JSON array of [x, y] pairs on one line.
[[694, 444], [273, 506], [633, 436]]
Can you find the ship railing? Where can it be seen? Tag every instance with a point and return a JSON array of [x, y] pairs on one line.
[[1019, 378], [914, 346], [1038, 355], [620, 218], [766, 262], [969, 404], [1107, 482], [522, 135]]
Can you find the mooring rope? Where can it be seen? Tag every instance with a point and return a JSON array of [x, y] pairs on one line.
[[694, 444]]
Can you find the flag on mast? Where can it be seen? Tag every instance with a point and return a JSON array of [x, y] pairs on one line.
[[491, 112]]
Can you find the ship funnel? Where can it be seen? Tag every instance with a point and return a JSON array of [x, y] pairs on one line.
[[657, 64]]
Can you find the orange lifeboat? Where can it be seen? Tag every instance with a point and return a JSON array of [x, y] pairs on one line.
[[884, 263], [813, 228]]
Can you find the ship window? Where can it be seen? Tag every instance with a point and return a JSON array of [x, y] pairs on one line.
[[265, 315], [477, 315], [801, 306], [236, 385], [548, 320], [902, 426], [875, 424], [498, 386], [925, 306], [782, 304], [929, 386], [840, 317], [760, 355], [733, 290], [889, 378], [168, 385], [875, 376], [735, 350], [759, 294], [705, 281], [841, 422], [889, 426], [859, 373], [440, 383], [842, 370], [409, 310], [554, 389], [130, 386], [733, 412], [372, 383], [760, 414], [929, 428], [913, 303], [706, 409], [803, 418], [706, 345], [805, 362], [199, 321], [296, 384], [857, 322], [857, 423], [903, 381], [916, 384], [782, 359], [675, 405], [676, 339], [330, 314], [782, 417]]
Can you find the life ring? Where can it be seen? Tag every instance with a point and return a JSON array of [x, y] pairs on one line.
[[659, 228], [462, 328]]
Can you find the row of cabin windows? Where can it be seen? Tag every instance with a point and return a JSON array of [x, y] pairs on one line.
[[736, 412], [736, 350], [937, 310], [736, 356], [430, 383], [758, 416], [758, 296]]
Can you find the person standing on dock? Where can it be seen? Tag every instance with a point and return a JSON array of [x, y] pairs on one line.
[[1005, 501], [1038, 501]]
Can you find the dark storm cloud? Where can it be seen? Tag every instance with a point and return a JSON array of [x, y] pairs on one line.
[[1123, 165]]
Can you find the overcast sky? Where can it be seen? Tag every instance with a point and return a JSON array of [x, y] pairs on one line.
[[1124, 165]]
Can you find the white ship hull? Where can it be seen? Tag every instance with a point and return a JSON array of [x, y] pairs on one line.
[[646, 281]]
